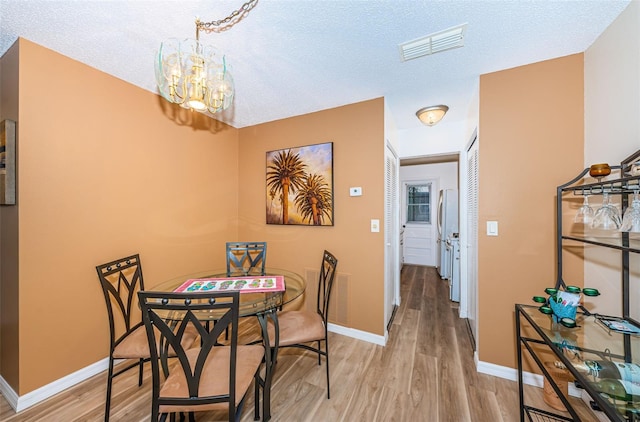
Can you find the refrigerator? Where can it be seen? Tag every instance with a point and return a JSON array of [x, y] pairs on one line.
[[447, 217]]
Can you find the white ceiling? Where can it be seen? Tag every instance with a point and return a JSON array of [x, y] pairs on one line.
[[292, 57]]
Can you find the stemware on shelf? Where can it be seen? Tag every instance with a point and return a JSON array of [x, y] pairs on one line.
[[631, 219], [585, 212], [607, 217]]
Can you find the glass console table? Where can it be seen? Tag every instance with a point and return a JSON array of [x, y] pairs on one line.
[[591, 352]]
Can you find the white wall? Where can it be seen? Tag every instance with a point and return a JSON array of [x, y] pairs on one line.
[[612, 133], [473, 116], [612, 90], [443, 138], [390, 128], [446, 173]]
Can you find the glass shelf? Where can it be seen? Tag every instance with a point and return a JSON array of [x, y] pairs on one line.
[[589, 342]]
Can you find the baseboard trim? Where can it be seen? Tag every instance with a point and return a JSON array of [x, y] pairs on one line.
[[511, 374], [8, 393], [20, 403], [357, 334]]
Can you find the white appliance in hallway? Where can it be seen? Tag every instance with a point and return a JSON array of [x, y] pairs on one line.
[[447, 227], [453, 248]]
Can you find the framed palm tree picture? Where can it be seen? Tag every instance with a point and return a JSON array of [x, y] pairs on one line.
[[300, 185]]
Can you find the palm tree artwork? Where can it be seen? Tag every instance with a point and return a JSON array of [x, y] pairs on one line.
[[285, 173], [300, 185], [314, 199]]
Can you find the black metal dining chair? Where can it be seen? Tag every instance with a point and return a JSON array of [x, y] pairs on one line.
[[244, 258], [120, 281], [206, 378], [302, 328]]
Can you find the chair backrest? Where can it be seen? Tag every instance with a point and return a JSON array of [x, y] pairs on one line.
[[245, 258], [325, 283], [121, 280], [174, 314]]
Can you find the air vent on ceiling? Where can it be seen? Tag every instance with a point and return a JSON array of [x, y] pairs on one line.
[[434, 43]]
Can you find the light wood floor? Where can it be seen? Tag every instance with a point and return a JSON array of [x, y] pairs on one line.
[[425, 373]]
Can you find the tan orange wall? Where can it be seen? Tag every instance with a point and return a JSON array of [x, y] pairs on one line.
[[97, 181], [357, 133], [531, 134], [104, 172], [9, 357]]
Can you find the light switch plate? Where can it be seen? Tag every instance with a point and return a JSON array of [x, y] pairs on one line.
[[375, 226], [492, 228], [357, 191]]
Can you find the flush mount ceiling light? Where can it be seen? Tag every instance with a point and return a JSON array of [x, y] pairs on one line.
[[196, 76], [432, 115]]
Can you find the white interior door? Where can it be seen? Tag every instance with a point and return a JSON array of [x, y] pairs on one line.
[[472, 238], [391, 235], [420, 238]]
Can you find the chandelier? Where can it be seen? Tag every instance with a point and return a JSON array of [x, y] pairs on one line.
[[197, 76]]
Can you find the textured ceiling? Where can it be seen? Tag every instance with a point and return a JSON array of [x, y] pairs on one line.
[[292, 57]]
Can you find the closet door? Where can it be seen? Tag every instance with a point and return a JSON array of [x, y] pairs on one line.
[[391, 235], [472, 238]]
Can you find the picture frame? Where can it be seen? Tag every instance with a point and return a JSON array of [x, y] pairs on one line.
[[7, 162], [299, 185]]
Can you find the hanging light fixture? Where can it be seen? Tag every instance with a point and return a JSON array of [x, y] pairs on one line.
[[197, 76], [432, 115]]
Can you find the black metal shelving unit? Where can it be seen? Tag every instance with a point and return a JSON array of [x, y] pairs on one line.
[[538, 334]]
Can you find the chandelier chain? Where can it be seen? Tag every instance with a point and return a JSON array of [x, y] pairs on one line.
[[243, 9]]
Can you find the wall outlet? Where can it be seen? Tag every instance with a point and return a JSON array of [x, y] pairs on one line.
[[357, 191]]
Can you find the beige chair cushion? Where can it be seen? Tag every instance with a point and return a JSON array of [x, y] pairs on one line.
[[297, 327], [136, 345], [215, 377]]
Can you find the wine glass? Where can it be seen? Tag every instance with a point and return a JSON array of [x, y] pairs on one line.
[[585, 212], [631, 219], [607, 217]]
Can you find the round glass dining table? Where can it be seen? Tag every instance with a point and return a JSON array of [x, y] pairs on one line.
[[262, 305], [250, 303]]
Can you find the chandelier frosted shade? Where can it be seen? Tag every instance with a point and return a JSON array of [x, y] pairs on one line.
[[194, 75], [432, 115]]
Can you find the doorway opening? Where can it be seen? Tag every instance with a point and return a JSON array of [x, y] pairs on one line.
[[420, 243]]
